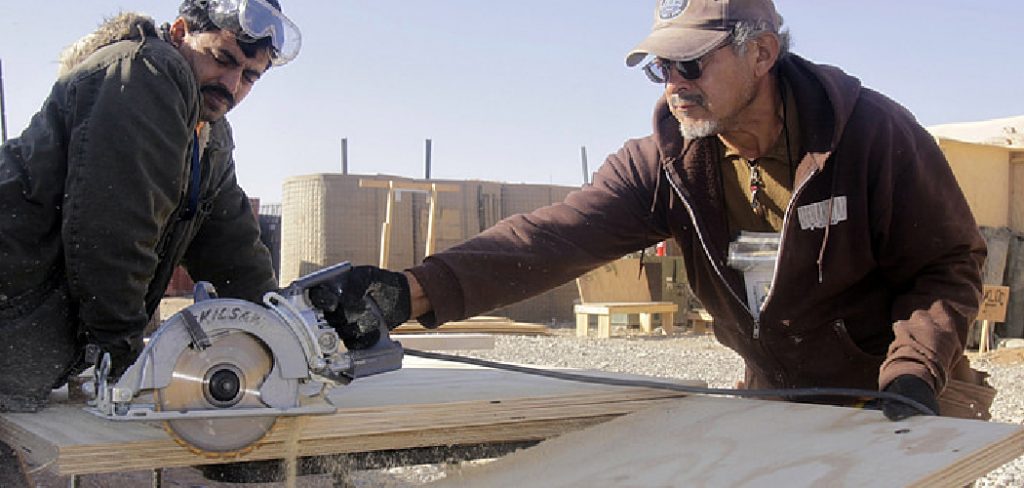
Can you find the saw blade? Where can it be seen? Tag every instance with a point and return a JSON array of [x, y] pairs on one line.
[[227, 374]]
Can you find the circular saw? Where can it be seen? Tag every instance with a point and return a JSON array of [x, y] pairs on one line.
[[220, 372]]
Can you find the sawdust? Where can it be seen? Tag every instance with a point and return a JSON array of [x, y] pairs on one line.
[[291, 460]]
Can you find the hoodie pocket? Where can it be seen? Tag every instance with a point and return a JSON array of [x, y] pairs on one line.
[[827, 356], [839, 326]]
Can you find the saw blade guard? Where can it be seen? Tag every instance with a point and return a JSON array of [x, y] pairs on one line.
[[155, 367]]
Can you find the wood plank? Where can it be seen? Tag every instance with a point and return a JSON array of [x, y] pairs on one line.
[[447, 342], [625, 307], [482, 325], [709, 441], [427, 403]]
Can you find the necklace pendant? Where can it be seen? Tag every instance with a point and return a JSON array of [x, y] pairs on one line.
[[755, 201], [756, 185]]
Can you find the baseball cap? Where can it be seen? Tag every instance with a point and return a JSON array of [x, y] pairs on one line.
[[688, 29]]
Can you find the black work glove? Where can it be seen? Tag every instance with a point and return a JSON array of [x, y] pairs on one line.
[[913, 388], [123, 349], [346, 308]]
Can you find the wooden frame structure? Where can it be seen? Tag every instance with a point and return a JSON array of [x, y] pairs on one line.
[[431, 189]]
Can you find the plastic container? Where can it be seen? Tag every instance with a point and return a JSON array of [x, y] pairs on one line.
[[754, 254]]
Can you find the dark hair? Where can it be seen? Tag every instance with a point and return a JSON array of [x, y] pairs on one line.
[[194, 13]]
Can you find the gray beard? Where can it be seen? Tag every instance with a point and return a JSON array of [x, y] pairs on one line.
[[696, 130]]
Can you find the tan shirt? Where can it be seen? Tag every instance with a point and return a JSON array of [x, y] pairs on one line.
[[778, 167]]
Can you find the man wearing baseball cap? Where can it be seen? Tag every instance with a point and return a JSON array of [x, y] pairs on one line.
[[877, 258]]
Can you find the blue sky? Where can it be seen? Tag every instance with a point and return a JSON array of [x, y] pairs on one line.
[[510, 91]]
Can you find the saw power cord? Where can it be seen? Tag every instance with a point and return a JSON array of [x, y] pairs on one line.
[[790, 393]]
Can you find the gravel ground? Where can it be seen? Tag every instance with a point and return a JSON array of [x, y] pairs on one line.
[[683, 356]]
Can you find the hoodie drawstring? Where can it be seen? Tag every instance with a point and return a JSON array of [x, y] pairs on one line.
[[828, 224]]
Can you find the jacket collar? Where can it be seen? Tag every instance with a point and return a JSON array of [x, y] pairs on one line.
[[124, 26]]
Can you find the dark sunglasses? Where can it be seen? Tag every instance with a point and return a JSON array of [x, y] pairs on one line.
[[658, 69]]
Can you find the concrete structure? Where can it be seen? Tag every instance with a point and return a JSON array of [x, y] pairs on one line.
[[328, 218]]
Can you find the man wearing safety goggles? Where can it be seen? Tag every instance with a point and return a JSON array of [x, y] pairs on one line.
[[875, 258], [125, 173]]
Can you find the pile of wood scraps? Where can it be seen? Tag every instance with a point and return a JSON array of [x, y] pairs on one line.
[[480, 324]]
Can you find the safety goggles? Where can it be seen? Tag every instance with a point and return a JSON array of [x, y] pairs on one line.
[[659, 69], [252, 20]]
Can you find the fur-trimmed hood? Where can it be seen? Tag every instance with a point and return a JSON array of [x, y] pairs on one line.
[[123, 26]]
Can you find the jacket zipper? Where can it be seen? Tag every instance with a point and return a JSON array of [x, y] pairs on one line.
[[756, 330], [707, 251], [782, 236]]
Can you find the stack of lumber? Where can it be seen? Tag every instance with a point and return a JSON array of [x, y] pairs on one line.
[[480, 324]]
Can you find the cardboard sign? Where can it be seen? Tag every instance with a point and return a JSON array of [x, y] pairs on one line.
[[993, 303]]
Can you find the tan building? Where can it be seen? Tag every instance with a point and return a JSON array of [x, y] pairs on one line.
[[988, 160]]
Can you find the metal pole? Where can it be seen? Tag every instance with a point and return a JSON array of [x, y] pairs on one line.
[[344, 156], [586, 173], [428, 159], [3, 107]]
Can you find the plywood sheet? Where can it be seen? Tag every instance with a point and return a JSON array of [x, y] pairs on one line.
[[621, 280], [708, 441]]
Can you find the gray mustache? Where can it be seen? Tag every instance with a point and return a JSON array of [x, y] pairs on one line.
[[676, 99]]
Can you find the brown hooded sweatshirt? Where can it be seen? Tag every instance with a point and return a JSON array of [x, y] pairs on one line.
[[886, 288]]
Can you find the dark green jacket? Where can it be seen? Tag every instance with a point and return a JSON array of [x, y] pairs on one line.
[[94, 191]]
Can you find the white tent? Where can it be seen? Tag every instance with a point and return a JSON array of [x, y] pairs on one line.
[[1008, 132]]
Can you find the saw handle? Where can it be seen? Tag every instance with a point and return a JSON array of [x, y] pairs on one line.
[[328, 275], [386, 355]]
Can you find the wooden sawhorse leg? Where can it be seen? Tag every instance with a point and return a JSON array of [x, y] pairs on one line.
[[582, 324], [668, 323], [604, 326]]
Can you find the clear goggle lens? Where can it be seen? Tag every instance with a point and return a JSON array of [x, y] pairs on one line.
[[257, 19]]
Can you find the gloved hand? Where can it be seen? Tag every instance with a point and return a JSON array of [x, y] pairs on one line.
[[911, 387], [123, 349], [346, 306]]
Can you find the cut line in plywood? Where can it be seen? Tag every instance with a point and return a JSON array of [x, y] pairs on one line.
[[427, 403], [708, 441]]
